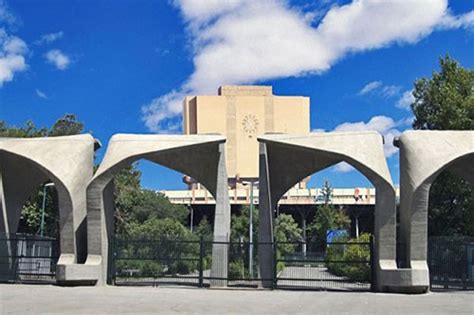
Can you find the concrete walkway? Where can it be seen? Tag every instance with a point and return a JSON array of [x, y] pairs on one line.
[[45, 299]]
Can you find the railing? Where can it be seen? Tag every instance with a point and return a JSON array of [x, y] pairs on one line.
[[451, 262], [28, 258], [338, 265], [188, 262], [151, 262]]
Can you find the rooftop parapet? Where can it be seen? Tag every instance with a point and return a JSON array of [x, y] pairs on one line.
[[245, 90]]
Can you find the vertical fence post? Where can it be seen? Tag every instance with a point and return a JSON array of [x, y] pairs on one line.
[[111, 261], [275, 263], [373, 265], [201, 263], [114, 254]]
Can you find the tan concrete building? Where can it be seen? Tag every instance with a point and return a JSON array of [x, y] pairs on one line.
[[242, 113]]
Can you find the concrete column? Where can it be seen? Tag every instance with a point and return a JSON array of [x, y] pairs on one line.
[[423, 155], [220, 252], [265, 225], [287, 159], [201, 157], [66, 161]]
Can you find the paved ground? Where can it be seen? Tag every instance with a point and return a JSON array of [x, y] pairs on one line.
[[45, 299], [324, 278]]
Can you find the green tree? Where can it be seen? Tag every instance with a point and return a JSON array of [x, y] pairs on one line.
[[66, 126], [340, 256], [204, 229], [446, 102], [240, 225], [133, 204], [171, 242], [126, 189], [28, 130], [287, 234], [327, 217], [326, 192], [285, 228], [159, 229]]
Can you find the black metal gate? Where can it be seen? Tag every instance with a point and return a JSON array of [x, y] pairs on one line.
[[28, 258], [451, 263], [162, 261], [332, 266], [338, 266]]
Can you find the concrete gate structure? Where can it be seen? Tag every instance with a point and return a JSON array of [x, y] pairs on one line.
[[285, 159], [200, 156], [423, 156], [67, 161]]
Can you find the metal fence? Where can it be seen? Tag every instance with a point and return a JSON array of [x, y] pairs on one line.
[[154, 262], [451, 263], [344, 266], [180, 262], [28, 258], [335, 266]]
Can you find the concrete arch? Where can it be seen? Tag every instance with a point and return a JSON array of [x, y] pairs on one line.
[[199, 156], [67, 162], [286, 159], [423, 156]]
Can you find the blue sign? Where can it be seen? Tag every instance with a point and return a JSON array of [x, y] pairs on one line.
[[333, 235]]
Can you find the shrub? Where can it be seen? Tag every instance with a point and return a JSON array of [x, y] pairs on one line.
[[347, 253], [236, 270]]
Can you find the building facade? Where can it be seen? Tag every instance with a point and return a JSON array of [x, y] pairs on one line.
[[241, 113]]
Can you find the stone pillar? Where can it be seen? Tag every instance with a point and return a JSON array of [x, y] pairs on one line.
[[265, 225], [220, 252]]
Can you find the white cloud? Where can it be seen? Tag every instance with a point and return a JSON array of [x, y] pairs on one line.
[[12, 55], [405, 100], [247, 41], [58, 59], [49, 38], [343, 167], [390, 90], [159, 111], [41, 94], [408, 121], [377, 87], [318, 130], [5, 15], [369, 87], [461, 21]]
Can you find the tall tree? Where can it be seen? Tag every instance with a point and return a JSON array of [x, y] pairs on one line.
[[327, 217], [446, 102], [136, 205], [66, 126], [326, 192]]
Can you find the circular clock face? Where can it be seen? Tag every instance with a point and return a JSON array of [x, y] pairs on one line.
[[250, 124]]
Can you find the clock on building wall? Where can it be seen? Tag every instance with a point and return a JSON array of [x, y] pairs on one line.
[[250, 125]]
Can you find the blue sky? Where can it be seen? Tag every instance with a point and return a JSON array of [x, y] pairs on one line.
[[124, 66]]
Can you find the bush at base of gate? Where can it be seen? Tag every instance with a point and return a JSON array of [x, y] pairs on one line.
[[348, 260], [158, 247]]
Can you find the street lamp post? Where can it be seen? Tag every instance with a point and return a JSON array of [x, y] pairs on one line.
[[44, 206], [192, 217], [251, 183]]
